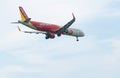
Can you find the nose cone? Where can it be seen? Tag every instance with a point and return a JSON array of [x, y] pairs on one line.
[[81, 34]]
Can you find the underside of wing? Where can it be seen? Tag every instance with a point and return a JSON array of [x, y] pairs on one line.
[[34, 32]]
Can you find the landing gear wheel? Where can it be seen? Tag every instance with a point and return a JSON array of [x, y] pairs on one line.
[[58, 35], [46, 37], [77, 39]]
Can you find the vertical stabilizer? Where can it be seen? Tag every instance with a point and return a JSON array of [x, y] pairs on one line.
[[23, 14]]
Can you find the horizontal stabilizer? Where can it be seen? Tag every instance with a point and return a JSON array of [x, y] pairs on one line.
[[15, 22]]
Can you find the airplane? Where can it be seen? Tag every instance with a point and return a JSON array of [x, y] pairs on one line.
[[50, 30]]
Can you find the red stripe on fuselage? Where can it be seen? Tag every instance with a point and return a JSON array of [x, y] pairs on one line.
[[45, 26]]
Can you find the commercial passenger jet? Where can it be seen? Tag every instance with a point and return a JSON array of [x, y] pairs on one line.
[[49, 29]]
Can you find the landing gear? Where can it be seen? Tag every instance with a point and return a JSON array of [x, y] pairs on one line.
[[59, 34], [77, 39], [47, 36]]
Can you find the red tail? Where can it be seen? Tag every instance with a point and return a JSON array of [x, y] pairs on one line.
[[23, 14]]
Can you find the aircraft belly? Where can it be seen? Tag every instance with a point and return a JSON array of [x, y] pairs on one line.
[[47, 28]]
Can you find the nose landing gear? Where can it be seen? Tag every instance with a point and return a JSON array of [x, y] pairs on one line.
[[77, 39]]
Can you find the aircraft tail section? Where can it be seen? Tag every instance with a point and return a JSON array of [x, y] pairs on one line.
[[23, 14]]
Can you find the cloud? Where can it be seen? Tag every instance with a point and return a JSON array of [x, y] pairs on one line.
[[64, 60], [11, 40], [19, 68], [116, 50], [115, 44], [43, 53], [12, 68], [10, 71]]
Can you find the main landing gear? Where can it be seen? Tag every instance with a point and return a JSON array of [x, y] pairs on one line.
[[47, 35], [59, 34]]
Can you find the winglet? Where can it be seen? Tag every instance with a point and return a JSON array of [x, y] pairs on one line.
[[73, 15]]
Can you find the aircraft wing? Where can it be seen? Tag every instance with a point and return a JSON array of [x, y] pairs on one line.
[[35, 32], [66, 26]]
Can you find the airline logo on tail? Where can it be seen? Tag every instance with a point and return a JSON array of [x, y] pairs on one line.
[[23, 14], [25, 18]]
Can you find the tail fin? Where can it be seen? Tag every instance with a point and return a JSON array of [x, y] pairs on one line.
[[23, 14]]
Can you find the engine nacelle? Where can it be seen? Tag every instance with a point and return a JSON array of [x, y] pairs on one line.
[[52, 35]]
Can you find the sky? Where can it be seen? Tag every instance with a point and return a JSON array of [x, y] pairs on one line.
[[97, 55]]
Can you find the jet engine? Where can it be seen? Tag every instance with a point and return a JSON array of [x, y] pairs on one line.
[[50, 35]]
